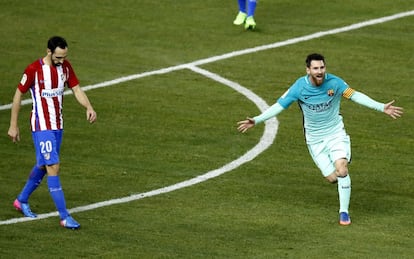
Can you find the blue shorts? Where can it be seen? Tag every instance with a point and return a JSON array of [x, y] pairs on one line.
[[47, 146], [326, 152]]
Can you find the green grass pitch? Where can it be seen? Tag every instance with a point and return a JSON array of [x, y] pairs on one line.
[[164, 129]]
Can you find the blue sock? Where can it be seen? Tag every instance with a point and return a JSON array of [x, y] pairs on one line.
[[35, 178], [251, 7], [344, 191], [242, 6], [58, 197]]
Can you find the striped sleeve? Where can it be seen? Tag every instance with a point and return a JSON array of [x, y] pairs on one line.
[[348, 93]]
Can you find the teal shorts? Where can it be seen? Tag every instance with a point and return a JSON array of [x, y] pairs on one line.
[[326, 152]]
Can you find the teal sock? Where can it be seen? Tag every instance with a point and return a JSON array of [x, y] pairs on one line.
[[58, 197], [344, 191], [251, 7]]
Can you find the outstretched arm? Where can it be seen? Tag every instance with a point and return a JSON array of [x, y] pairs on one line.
[[272, 111], [84, 101], [393, 111]]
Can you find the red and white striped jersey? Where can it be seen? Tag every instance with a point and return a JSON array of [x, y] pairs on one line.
[[47, 84]]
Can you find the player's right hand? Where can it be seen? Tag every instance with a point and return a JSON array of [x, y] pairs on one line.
[[244, 125]]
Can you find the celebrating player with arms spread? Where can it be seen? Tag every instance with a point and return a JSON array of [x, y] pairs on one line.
[[319, 96]]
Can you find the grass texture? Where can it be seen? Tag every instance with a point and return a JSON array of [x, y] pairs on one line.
[[163, 129]]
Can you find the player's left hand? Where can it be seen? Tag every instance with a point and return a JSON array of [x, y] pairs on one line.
[[91, 115], [393, 111], [14, 134]]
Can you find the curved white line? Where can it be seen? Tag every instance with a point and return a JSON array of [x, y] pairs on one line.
[[200, 62], [271, 125], [266, 140]]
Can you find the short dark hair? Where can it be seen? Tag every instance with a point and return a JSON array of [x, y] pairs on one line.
[[56, 41], [314, 56]]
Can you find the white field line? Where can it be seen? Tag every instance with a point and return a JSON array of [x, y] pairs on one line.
[[271, 125], [266, 140], [237, 53]]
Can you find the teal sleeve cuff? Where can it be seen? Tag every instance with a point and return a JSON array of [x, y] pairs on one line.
[[272, 111], [365, 100]]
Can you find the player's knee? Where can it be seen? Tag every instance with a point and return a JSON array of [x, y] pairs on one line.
[[52, 170], [342, 171], [332, 178], [341, 168]]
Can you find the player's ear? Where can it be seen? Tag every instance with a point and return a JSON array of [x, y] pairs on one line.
[[307, 70], [48, 51]]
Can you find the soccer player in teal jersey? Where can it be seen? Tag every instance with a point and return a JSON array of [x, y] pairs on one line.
[[246, 14], [319, 95]]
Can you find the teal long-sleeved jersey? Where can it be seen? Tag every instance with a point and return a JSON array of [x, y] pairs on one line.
[[320, 105]]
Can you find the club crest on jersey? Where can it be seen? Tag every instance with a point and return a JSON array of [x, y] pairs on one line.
[[330, 92], [46, 156]]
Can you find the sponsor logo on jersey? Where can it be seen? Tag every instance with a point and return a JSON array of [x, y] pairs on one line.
[[49, 93], [319, 107]]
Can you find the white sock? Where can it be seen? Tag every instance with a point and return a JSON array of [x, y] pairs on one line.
[[344, 191]]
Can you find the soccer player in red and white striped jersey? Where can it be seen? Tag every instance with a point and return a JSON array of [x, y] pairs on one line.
[[46, 79]]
